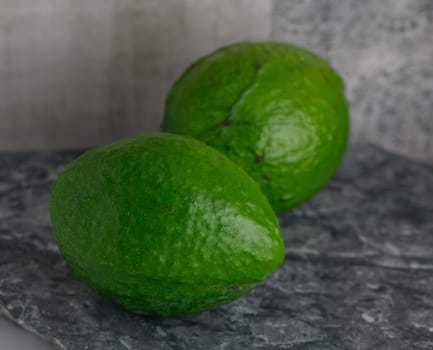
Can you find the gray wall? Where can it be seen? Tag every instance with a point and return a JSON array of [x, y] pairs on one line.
[[82, 73], [384, 50], [79, 72]]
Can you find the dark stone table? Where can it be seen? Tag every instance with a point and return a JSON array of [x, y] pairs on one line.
[[358, 272]]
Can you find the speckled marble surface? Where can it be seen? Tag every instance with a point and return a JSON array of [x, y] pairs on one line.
[[358, 272]]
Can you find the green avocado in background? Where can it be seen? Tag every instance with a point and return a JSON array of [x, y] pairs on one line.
[[275, 109], [164, 225]]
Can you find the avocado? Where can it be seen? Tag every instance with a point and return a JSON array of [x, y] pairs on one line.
[[164, 225]]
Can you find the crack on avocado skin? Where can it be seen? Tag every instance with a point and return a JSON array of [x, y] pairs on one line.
[[259, 66], [229, 121], [247, 89]]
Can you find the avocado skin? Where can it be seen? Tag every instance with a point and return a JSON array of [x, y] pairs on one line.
[[277, 110], [164, 225]]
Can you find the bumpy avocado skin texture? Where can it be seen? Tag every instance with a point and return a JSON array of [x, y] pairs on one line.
[[164, 225], [275, 109]]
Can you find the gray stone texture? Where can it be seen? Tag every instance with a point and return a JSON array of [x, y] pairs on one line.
[[384, 50], [358, 272]]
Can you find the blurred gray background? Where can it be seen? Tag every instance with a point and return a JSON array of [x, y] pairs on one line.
[[78, 73]]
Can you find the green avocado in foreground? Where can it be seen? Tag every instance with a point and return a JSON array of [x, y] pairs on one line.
[[164, 225]]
